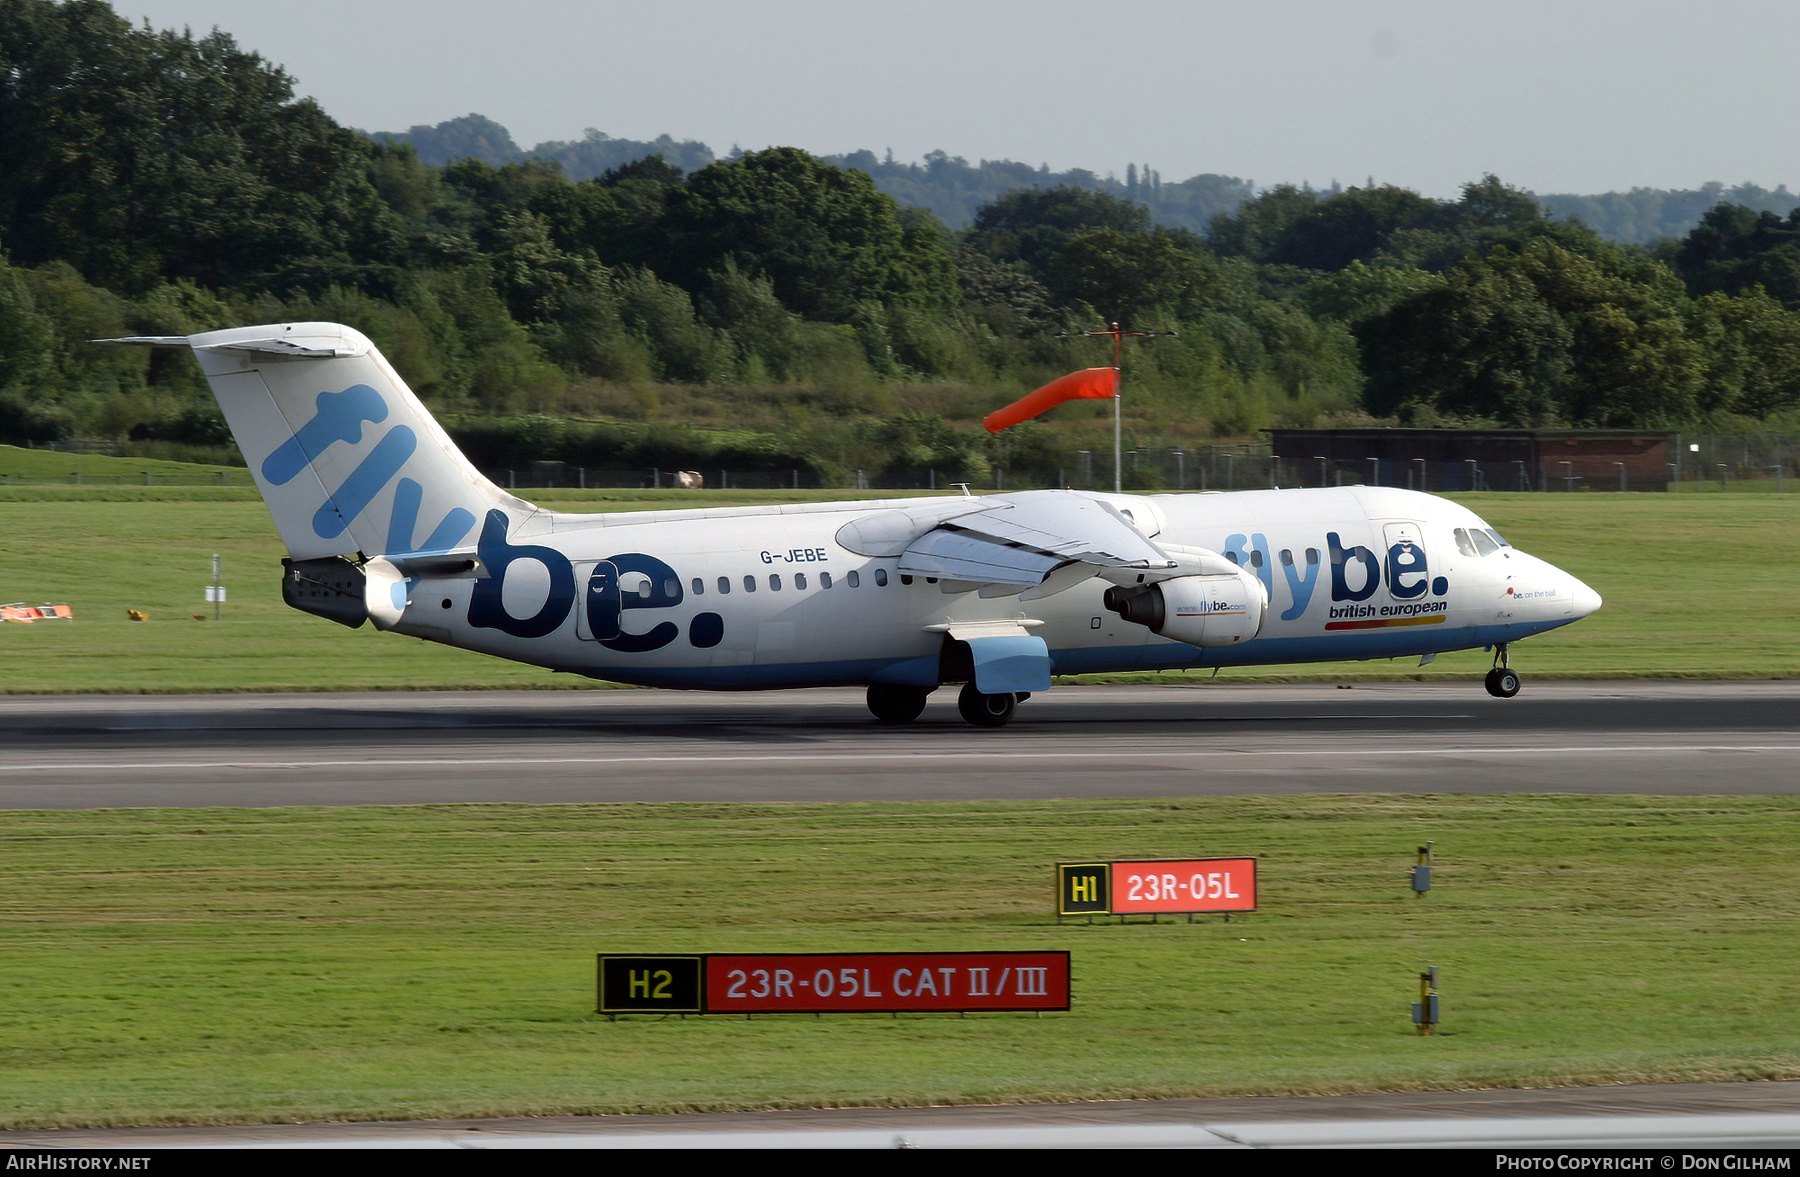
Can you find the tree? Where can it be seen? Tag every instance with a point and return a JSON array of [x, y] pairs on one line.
[[473, 136], [1029, 226], [1385, 225], [598, 154], [1483, 345], [825, 238], [1351, 226], [1122, 275], [1752, 347], [140, 156], [1734, 248], [1539, 336], [1253, 231]]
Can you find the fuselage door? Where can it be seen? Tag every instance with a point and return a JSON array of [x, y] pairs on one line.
[[598, 618], [1408, 571]]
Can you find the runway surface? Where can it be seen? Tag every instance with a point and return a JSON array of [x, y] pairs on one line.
[[69, 752], [1653, 1120]]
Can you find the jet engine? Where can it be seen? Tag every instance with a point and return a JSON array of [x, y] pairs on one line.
[[347, 593], [1209, 610]]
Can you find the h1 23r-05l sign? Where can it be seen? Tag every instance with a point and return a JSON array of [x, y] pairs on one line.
[[1155, 886]]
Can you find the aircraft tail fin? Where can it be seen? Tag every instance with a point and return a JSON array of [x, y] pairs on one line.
[[346, 457]]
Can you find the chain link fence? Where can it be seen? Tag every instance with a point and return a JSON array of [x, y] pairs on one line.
[[139, 478], [1761, 461]]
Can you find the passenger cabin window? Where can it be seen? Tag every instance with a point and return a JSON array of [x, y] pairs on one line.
[[800, 581], [724, 585], [824, 580], [699, 587], [905, 579], [749, 583], [853, 579], [881, 578], [774, 582]]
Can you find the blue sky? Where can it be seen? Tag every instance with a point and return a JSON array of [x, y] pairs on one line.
[[1564, 96]]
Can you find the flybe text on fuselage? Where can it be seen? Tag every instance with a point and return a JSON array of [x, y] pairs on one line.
[[1356, 573]]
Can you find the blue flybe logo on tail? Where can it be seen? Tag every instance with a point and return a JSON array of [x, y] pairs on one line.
[[340, 417], [337, 416]]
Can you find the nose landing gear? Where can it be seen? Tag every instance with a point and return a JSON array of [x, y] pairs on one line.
[[1502, 682]]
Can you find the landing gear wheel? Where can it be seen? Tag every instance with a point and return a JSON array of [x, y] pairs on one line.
[[986, 710], [896, 704], [1502, 683]]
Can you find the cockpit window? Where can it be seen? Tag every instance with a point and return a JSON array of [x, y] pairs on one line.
[[1484, 543], [1497, 538], [1464, 544]]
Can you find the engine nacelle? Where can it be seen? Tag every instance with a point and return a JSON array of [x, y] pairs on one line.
[[1216, 610], [384, 592], [346, 593]]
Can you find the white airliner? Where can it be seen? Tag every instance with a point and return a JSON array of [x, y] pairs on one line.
[[386, 521]]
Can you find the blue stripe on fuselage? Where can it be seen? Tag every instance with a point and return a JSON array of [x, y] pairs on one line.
[[1088, 660]]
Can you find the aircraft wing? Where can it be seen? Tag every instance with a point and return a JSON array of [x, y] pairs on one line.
[[1029, 544], [1019, 540]]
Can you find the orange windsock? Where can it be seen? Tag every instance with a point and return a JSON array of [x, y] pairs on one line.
[[1087, 384]]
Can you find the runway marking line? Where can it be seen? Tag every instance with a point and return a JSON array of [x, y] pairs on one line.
[[867, 757]]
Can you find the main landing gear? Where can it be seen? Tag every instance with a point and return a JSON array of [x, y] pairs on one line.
[[988, 710], [896, 704], [1502, 682]]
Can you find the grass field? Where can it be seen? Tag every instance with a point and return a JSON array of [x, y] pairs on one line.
[[1696, 586], [241, 965], [246, 965]]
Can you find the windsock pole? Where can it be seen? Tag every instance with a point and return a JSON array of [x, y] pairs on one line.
[[1088, 383], [1119, 367], [1118, 338]]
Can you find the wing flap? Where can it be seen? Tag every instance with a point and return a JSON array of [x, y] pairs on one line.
[[959, 555], [1020, 540]]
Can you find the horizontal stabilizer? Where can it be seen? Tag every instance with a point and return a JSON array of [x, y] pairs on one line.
[[180, 341]]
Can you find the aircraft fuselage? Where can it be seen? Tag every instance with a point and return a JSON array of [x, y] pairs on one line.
[[764, 597]]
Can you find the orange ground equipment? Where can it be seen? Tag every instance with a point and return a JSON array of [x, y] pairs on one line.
[[19, 611]]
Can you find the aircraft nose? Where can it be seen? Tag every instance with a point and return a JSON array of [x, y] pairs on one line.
[[1585, 599]]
